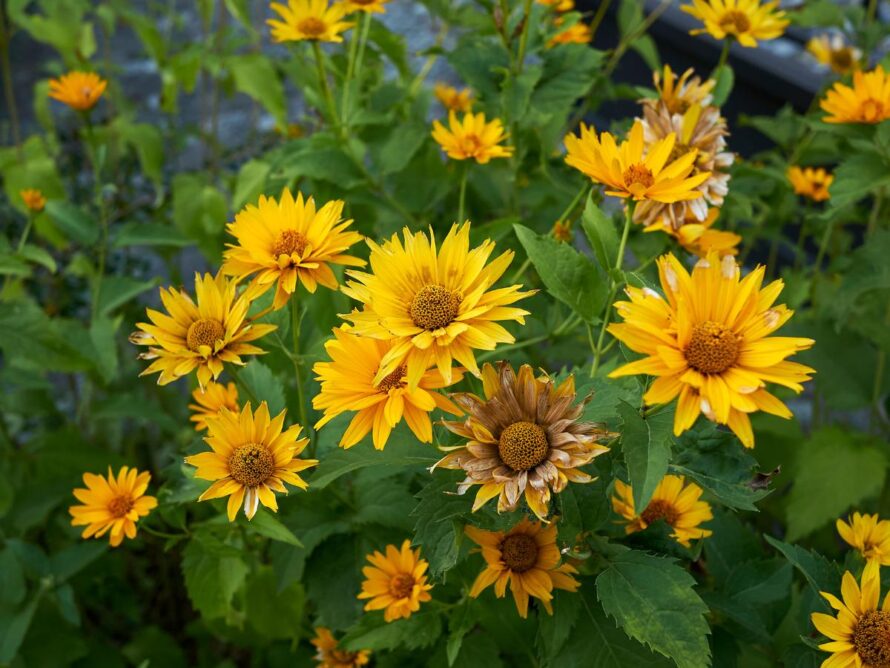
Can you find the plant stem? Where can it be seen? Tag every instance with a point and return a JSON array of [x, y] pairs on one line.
[[24, 238], [301, 399], [724, 55], [598, 17], [875, 210], [325, 89], [350, 71], [9, 91], [363, 42], [465, 170], [823, 245], [523, 38], [880, 367]]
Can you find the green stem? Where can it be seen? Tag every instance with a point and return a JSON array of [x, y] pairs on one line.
[[363, 42], [880, 367], [325, 88], [875, 210], [24, 238], [350, 72], [724, 55], [598, 17], [9, 91], [823, 245], [465, 170], [301, 399], [523, 38]]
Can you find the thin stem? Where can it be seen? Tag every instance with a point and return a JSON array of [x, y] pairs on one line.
[[875, 210], [295, 322], [872, 10], [598, 17], [325, 89], [724, 55], [879, 377], [9, 91], [823, 245], [523, 38], [628, 219], [465, 170], [363, 42], [350, 71], [24, 238]]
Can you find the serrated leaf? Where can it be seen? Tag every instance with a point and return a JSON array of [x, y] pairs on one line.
[[857, 176], [401, 450], [437, 528], [601, 233], [266, 524], [646, 445], [819, 572], [213, 572], [420, 630], [264, 386]]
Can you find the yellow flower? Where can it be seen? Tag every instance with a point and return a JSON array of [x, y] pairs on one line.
[[834, 52], [286, 240], [79, 90], [33, 199], [433, 307], [472, 138], [527, 558], [347, 384], [746, 21], [868, 101], [679, 505], [680, 93], [199, 336], [452, 98], [210, 401], [309, 19], [869, 534], [396, 583], [558, 5], [811, 182], [577, 33], [708, 341], [523, 439], [252, 457], [367, 6], [628, 173], [112, 505], [329, 655], [699, 238], [860, 634]]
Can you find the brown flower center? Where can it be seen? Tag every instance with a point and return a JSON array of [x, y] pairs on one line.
[[660, 510], [204, 332], [841, 59], [735, 22], [434, 306], [871, 637], [523, 445], [392, 380], [712, 348], [119, 506], [251, 464], [872, 110], [472, 144], [312, 27], [288, 243], [519, 552], [637, 178], [401, 585]]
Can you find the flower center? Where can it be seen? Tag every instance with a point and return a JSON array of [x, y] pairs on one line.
[[841, 59], [637, 179], [288, 243], [735, 22], [472, 144], [519, 552], [119, 506], [872, 110], [871, 637], [204, 332], [251, 464], [712, 348], [434, 307], [312, 27], [660, 510], [523, 445], [392, 380], [401, 586]]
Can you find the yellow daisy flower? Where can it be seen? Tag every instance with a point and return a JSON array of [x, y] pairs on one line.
[[527, 558], [860, 634], [288, 240], [329, 654], [831, 50], [523, 439], [112, 505], [678, 504], [252, 457], [433, 306], [396, 583], [472, 138], [347, 384], [708, 341], [210, 401], [79, 90], [868, 534], [367, 6], [33, 199], [679, 93], [452, 98], [625, 170], [699, 237], [202, 335], [746, 21], [577, 33], [868, 101], [316, 20], [811, 182]]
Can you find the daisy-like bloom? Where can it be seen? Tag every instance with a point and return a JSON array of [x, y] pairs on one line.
[[316, 20], [452, 98], [627, 172], [112, 505], [210, 400], [811, 182], [347, 384], [678, 504], [868, 534], [472, 137], [283, 241], [703, 130], [699, 237], [527, 558], [433, 306], [252, 457], [746, 21], [202, 335], [680, 93], [33, 199], [558, 5], [868, 101], [524, 438], [577, 33], [79, 90], [860, 634], [833, 51], [329, 655], [708, 341], [396, 582], [367, 6]]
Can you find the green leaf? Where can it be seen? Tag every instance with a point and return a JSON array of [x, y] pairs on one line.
[[725, 79], [116, 291], [146, 140], [420, 630], [601, 233], [263, 385], [569, 276], [868, 270], [569, 72], [654, 601], [401, 450], [38, 255], [74, 222], [12, 579], [71, 560], [554, 630], [820, 573], [648, 50], [438, 527], [14, 623], [250, 184], [149, 234], [255, 76], [646, 445], [319, 157], [12, 265], [273, 613], [517, 92], [857, 176], [213, 572], [266, 524], [401, 146], [29, 337]]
